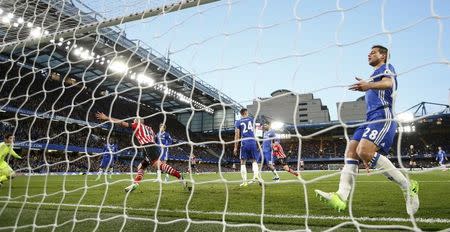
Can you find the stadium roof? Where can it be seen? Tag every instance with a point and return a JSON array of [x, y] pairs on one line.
[[104, 58]]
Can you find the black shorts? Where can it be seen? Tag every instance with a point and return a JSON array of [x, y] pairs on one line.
[[150, 153], [281, 161]]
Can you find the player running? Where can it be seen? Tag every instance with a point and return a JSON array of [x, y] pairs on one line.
[[281, 158], [374, 139], [144, 138]]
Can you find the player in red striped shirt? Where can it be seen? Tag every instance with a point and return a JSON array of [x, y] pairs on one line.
[[193, 160], [281, 157], [144, 140]]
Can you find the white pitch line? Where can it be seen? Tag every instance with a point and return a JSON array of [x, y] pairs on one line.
[[292, 216], [219, 181]]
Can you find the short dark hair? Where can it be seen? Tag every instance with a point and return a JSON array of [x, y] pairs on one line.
[[242, 111], [7, 135], [383, 50]]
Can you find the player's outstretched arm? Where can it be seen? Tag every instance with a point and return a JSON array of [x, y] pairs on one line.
[[103, 117], [361, 85]]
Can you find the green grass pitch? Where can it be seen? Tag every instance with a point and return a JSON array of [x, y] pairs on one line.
[[78, 203]]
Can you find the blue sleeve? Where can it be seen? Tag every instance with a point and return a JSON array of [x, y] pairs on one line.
[[236, 124], [389, 71], [169, 139]]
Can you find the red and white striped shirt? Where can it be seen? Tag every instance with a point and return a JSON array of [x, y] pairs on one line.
[[193, 160], [144, 134], [278, 151]]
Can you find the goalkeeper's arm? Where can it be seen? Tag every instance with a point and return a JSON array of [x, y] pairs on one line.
[[8, 150]]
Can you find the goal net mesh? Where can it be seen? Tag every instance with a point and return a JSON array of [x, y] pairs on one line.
[[177, 63]]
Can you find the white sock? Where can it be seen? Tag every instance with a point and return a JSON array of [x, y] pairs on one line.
[[100, 171], [244, 173], [347, 174], [274, 171], [255, 170], [158, 174], [381, 162]]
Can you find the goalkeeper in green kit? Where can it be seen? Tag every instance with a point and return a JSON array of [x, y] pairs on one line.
[[6, 148]]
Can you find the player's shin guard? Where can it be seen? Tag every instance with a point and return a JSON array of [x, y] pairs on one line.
[[244, 173], [390, 171], [169, 170], [348, 174]]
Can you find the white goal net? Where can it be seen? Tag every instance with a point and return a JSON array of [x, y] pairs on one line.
[[80, 79]]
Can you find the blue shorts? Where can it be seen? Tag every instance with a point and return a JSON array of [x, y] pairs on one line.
[[380, 133], [107, 161], [164, 154], [268, 158], [249, 151], [441, 161]]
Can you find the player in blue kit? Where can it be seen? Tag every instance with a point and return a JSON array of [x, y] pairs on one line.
[[372, 140], [244, 131], [164, 140], [441, 156], [109, 156], [267, 157]]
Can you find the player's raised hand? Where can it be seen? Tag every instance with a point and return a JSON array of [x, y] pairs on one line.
[[101, 116], [361, 85]]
